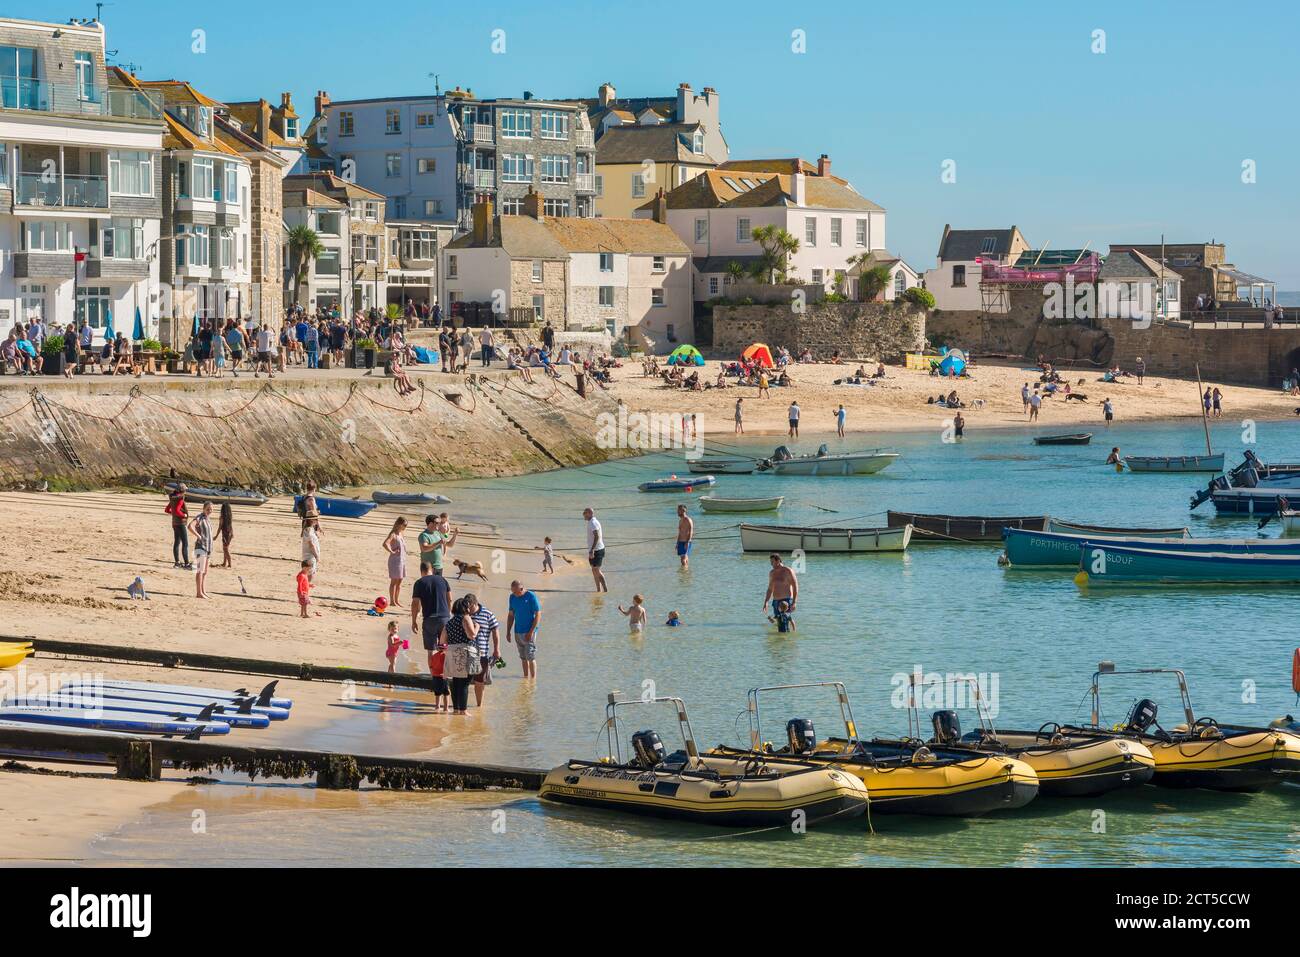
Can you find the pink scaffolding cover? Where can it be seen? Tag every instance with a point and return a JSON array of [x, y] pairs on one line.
[[1085, 270]]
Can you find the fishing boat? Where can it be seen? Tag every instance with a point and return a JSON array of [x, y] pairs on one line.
[[1030, 549], [1107, 531], [901, 777], [381, 497], [675, 484], [219, 496], [1250, 473], [338, 507], [1174, 463], [709, 464], [1269, 500], [1107, 563], [961, 529], [710, 789], [1200, 752], [788, 538], [824, 462], [712, 503], [1077, 438]]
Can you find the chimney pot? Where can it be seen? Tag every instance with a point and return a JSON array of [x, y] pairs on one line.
[[823, 165]]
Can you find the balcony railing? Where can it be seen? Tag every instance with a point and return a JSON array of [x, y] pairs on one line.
[[485, 179], [585, 182], [584, 139], [483, 133], [70, 190], [21, 93]]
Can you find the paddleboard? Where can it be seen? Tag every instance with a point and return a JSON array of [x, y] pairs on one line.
[[233, 705], [263, 696], [130, 721], [178, 712]]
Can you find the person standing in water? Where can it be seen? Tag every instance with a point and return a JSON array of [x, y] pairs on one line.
[[782, 586], [740, 421], [794, 419], [958, 426], [595, 549], [685, 536]]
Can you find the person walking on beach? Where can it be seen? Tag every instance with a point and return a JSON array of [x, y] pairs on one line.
[[462, 650], [201, 529], [840, 416], [311, 547], [1024, 397], [521, 626], [1108, 411], [782, 586], [435, 542], [1035, 403], [740, 422], [685, 536], [488, 648], [1217, 399], [1140, 368], [395, 546], [1206, 400], [595, 549], [304, 591], [307, 506], [265, 346], [430, 610], [226, 526], [179, 512], [793, 414], [548, 556]]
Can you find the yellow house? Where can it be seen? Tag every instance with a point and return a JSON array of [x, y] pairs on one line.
[[635, 162]]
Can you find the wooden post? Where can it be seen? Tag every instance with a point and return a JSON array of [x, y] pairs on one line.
[[1200, 400], [139, 762]]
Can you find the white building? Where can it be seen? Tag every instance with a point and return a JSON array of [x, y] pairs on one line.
[[80, 182], [955, 280], [1132, 285]]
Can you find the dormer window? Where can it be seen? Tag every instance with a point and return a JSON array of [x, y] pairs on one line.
[[697, 144], [205, 122], [290, 128]]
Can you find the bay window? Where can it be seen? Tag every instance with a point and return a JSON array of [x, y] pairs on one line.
[[48, 236], [516, 168], [201, 179], [232, 183], [122, 238]]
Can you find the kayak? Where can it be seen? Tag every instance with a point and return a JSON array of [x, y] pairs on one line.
[[87, 702], [408, 498], [132, 721], [10, 657], [338, 507], [208, 695]]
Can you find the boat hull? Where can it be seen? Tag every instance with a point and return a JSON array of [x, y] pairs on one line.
[[1079, 766], [961, 529], [408, 498], [722, 466], [832, 465], [1252, 501], [1081, 438], [1174, 463], [711, 503], [788, 538], [678, 485], [1105, 563], [1028, 549], [1074, 528], [220, 496], [339, 507]]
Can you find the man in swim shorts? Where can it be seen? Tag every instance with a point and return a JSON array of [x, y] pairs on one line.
[[685, 535]]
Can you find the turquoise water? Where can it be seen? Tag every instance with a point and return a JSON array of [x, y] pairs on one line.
[[863, 620]]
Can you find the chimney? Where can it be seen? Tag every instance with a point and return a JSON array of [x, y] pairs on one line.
[[798, 191], [606, 93], [684, 100], [823, 165], [661, 207], [263, 131], [322, 102], [533, 205], [286, 102], [483, 231]]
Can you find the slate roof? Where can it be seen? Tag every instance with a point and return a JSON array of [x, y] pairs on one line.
[[663, 143], [1131, 264], [968, 244]]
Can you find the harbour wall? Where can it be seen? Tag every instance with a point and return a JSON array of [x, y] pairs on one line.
[[92, 433], [858, 330]]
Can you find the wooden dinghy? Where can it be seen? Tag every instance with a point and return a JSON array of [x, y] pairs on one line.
[[962, 529], [1076, 438], [712, 503], [788, 538]]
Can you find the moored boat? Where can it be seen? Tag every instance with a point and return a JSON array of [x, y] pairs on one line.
[[1250, 473], [1107, 563], [1174, 463], [1107, 531], [1076, 438], [219, 496], [709, 789], [722, 466], [1026, 548], [1267, 500], [788, 538], [827, 463], [675, 484], [712, 503], [382, 497], [961, 529], [338, 507]]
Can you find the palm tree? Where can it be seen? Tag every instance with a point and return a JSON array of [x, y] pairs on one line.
[[735, 271], [304, 246], [778, 246], [872, 277]]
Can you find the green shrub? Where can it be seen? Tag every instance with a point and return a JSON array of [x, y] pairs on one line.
[[919, 296], [394, 311], [151, 345], [53, 346], [364, 344]]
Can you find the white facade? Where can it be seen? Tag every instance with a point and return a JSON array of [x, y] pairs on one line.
[[956, 285]]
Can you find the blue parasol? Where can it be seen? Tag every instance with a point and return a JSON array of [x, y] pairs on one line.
[[138, 333], [108, 325]]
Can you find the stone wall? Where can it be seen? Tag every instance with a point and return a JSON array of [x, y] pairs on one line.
[[859, 330], [1022, 330], [341, 433], [1243, 356]]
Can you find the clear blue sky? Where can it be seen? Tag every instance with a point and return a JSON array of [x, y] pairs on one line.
[[1073, 146]]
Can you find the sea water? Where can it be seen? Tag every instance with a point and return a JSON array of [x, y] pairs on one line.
[[1031, 638]]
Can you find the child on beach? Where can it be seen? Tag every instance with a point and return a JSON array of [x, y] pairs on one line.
[[304, 589], [548, 556], [441, 691], [636, 615], [395, 644], [674, 620], [781, 617]]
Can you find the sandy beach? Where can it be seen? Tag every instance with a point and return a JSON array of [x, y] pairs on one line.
[[991, 397]]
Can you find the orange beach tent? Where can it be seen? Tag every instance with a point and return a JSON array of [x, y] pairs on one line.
[[759, 353]]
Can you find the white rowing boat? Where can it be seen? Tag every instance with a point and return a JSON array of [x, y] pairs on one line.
[[787, 538], [712, 503], [840, 463]]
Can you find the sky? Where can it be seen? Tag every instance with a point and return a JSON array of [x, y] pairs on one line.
[[1081, 123]]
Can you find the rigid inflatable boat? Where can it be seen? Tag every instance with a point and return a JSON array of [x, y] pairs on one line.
[[902, 777], [736, 791]]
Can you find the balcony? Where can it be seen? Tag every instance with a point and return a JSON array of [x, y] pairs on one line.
[[584, 139], [98, 268], [485, 179], [482, 133], [40, 264], [21, 93], [68, 191], [585, 182]]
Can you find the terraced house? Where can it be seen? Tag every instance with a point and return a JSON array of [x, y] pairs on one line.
[[80, 182], [352, 273]]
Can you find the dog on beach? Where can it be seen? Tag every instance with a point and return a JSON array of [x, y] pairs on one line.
[[136, 589], [474, 568]]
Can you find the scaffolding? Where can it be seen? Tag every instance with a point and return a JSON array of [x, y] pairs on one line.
[[1034, 267]]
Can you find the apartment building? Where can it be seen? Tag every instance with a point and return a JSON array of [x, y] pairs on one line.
[[353, 272], [80, 182]]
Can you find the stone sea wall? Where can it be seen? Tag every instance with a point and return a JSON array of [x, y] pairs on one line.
[[859, 330], [92, 433]]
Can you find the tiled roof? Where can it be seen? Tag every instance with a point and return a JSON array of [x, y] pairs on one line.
[[712, 189], [179, 91], [310, 198], [249, 116], [640, 236], [967, 245], [777, 166], [716, 192], [329, 183], [241, 142], [181, 137], [662, 143], [1131, 264], [522, 237]]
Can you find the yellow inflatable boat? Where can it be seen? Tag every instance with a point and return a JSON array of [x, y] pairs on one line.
[[1199, 753], [710, 789], [11, 656], [902, 777]]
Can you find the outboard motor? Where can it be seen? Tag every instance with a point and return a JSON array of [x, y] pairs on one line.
[[799, 732], [947, 729], [781, 454], [649, 748], [1142, 717], [823, 450]]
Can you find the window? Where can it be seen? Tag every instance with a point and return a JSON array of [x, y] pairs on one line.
[[130, 173], [671, 332], [433, 207], [426, 164], [328, 223], [810, 231], [227, 249], [837, 232], [600, 185], [512, 207], [681, 175], [900, 284], [959, 275], [554, 125], [516, 124], [606, 262], [33, 303], [93, 304], [556, 207], [743, 233], [713, 285], [657, 297], [657, 264], [85, 78], [4, 164], [607, 297], [47, 236], [860, 234], [701, 230], [555, 169], [988, 245], [327, 263], [392, 121], [818, 276], [201, 180], [290, 128], [732, 183], [697, 143], [516, 168], [638, 185], [232, 183], [537, 270], [346, 123], [451, 267], [205, 121], [122, 239], [424, 119], [539, 308], [358, 248], [399, 207], [419, 244], [393, 165], [372, 249], [193, 246]]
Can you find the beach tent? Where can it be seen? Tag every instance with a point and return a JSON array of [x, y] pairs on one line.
[[953, 363], [138, 332], [759, 353], [686, 356]]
